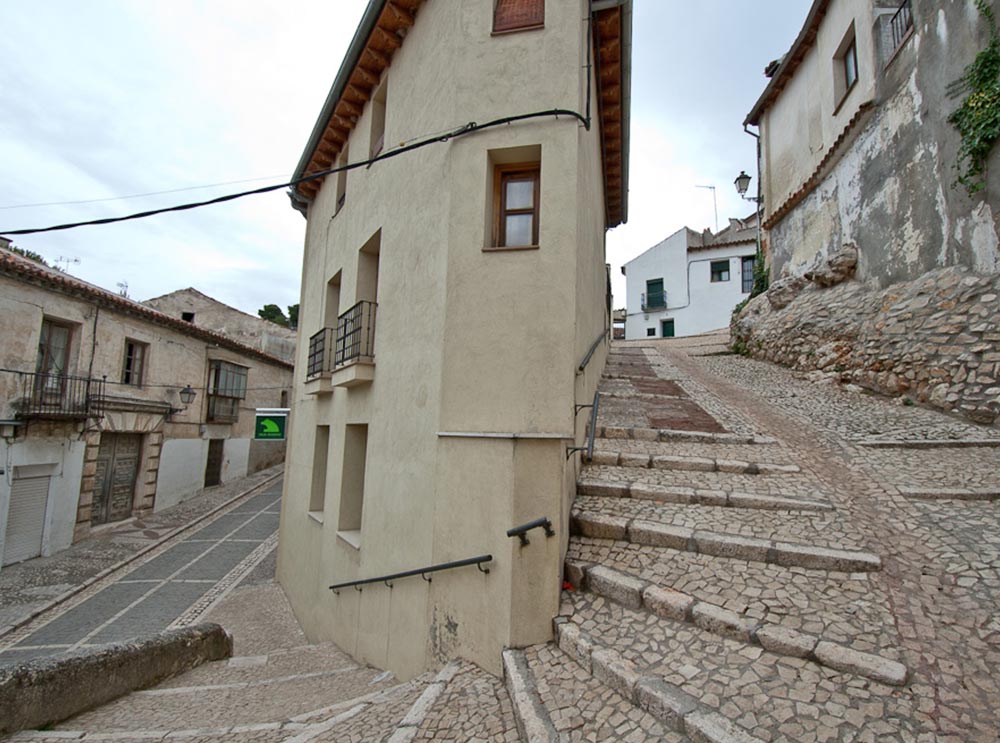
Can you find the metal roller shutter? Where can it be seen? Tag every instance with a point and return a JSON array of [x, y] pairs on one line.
[[25, 519]]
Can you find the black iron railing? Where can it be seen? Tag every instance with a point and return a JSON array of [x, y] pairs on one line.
[[590, 353], [422, 572], [901, 24], [356, 334], [591, 429], [59, 396], [320, 346], [654, 301], [521, 531]]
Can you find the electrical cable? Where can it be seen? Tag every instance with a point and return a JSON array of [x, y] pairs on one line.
[[469, 128]]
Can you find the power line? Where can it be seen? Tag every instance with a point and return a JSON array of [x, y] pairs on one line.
[[458, 132]]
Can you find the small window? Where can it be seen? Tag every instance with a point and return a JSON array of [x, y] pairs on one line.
[[720, 270], [746, 269], [845, 68], [516, 15], [341, 181], [654, 298], [187, 316], [378, 120], [516, 195], [134, 363], [227, 385], [650, 332]]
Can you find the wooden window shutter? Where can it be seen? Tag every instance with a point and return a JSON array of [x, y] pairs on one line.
[[513, 14]]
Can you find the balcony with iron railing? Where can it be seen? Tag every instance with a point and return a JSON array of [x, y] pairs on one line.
[[49, 396], [901, 24], [654, 301], [343, 356]]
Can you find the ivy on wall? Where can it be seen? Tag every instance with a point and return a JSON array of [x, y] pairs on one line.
[[978, 118]]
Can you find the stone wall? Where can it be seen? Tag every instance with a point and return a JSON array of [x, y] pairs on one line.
[[935, 340]]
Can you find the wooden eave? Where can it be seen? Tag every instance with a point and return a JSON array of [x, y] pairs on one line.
[[803, 43], [367, 67], [368, 60]]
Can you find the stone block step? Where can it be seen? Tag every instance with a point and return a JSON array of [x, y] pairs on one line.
[[674, 708], [407, 728], [556, 700], [718, 544], [773, 697], [932, 493], [631, 488], [636, 433], [635, 593], [690, 464]]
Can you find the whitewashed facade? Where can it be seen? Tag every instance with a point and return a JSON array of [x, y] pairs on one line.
[[689, 283]]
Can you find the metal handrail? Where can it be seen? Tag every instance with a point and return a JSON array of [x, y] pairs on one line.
[[521, 531], [422, 572], [590, 353], [589, 448]]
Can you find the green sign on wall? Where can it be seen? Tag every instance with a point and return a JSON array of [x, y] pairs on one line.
[[270, 427]]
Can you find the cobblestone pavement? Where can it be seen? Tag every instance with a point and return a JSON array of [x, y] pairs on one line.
[[680, 586], [171, 585], [29, 586]]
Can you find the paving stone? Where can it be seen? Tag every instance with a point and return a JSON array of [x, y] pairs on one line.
[[709, 727], [600, 526], [664, 701], [668, 603], [821, 558], [689, 464], [575, 644], [728, 545], [616, 586], [785, 641], [659, 535], [865, 664], [611, 669], [722, 621]]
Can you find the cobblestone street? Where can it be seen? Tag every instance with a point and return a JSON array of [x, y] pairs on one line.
[[224, 538], [766, 558]]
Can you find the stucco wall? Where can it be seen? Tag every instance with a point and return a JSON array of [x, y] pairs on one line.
[[889, 190], [467, 341], [182, 471]]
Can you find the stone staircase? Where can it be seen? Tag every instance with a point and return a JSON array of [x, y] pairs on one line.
[[717, 594]]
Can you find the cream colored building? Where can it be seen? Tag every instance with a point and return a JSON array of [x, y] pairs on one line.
[[93, 428], [450, 297], [856, 147]]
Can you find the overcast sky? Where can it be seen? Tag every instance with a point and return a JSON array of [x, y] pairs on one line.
[[106, 98]]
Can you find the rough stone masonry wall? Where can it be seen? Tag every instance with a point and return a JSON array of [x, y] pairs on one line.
[[935, 339]]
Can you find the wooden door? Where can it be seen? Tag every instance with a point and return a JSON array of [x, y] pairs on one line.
[[213, 468], [114, 483]]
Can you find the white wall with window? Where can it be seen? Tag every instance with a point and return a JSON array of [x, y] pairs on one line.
[[685, 285]]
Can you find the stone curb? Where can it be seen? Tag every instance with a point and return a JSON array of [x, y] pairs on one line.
[[669, 434], [668, 603], [49, 605], [949, 494], [533, 722], [407, 728], [927, 443], [691, 464], [672, 706], [718, 544], [694, 496]]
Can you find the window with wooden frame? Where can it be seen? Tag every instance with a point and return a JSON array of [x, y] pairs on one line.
[[134, 363], [845, 68], [518, 15], [227, 385], [516, 191]]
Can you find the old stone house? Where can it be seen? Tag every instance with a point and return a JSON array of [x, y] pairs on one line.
[[690, 282], [885, 271], [192, 306], [95, 426], [454, 318]]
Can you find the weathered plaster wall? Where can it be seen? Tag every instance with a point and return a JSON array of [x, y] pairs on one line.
[[890, 190], [935, 339], [182, 471]]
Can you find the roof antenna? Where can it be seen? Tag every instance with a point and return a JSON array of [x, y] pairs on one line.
[[716, 203], [67, 261], [123, 289]]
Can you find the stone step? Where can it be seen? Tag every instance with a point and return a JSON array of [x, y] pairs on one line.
[[720, 544], [670, 705], [637, 433], [556, 701], [635, 593], [933, 493], [631, 488], [852, 609], [618, 458], [803, 486], [752, 690], [819, 528], [416, 716]]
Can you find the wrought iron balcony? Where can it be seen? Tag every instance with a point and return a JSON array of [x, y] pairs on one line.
[[352, 340], [43, 395], [901, 24], [654, 301]]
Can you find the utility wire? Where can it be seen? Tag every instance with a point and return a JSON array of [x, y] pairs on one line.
[[469, 128]]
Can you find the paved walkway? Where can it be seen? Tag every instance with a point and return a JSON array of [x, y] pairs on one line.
[[171, 585]]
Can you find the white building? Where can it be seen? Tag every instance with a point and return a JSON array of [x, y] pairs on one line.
[[690, 282]]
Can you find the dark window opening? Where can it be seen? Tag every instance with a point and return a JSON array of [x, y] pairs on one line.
[[747, 274], [134, 363], [187, 316], [720, 270]]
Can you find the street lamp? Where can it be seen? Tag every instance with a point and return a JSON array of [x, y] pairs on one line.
[[187, 395], [742, 184]]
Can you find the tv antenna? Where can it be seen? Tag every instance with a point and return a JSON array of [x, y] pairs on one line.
[[715, 203], [123, 289], [67, 261]]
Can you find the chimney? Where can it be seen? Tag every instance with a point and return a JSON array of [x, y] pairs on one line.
[[5, 242]]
